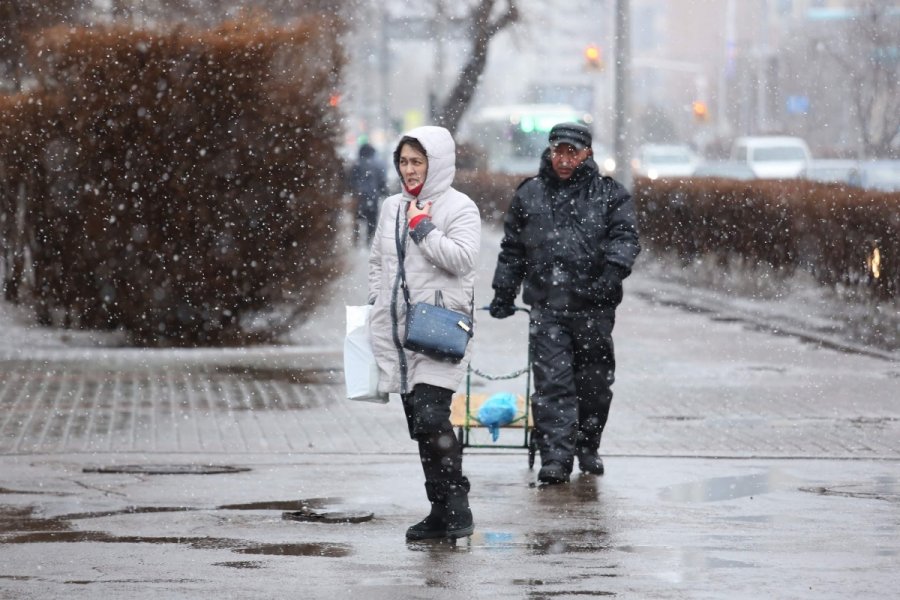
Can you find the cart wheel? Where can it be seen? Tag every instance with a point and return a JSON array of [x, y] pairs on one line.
[[532, 450]]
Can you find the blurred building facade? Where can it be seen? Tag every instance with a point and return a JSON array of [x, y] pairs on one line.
[[703, 71]]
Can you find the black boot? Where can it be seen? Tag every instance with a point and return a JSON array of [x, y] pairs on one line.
[[553, 472], [458, 514], [589, 461], [435, 524]]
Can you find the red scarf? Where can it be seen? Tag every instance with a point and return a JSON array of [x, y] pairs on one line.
[[416, 190]]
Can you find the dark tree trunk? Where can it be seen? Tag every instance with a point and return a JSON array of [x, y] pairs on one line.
[[484, 28]]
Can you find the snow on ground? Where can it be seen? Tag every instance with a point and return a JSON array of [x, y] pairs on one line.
[[795, 305]]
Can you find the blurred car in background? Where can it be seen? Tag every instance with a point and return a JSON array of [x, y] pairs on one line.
[[511, 137], [665, 160], [604, 159], [882, 175], [772, 156], [831, 171], [725, 170]]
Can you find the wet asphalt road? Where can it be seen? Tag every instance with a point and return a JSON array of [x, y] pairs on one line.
[[740, 464], [650, 528]]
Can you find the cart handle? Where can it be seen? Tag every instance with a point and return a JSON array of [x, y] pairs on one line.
[[515, 308]]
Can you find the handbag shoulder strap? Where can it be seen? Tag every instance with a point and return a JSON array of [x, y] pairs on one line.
[[400, 236], [400, 239]]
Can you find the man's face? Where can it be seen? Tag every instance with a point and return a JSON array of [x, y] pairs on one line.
[[565, 158]]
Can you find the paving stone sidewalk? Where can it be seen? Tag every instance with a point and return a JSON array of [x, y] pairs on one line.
[[688, 385]]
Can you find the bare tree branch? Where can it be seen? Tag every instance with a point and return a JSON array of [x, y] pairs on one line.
[[867, 58], [484, 28]]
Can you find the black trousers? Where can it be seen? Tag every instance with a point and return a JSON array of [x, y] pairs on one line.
[[574, 368], [427, 410]]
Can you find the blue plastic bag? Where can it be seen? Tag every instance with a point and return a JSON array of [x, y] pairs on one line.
[[497, 411]]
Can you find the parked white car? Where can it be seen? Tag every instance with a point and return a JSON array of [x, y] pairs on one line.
[[832, 171], [772, 156], [883, 175], [665, 160], [724, 170]]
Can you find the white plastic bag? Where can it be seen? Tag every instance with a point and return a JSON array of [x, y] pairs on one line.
[[360, 369]]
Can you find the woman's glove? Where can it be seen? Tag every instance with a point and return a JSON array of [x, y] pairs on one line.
[[503, 305]]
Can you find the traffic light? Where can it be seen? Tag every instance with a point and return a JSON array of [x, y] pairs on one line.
[[593, 57], [700, 110]]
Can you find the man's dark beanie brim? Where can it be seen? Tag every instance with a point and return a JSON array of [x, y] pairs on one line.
[[576, 134]]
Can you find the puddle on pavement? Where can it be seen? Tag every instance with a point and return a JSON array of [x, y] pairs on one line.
[[697, 557], [748, 518], [307, 515], [4, 490], [539, 543], [313, 510], [767, 369], [541, 593], [20, 525], [22, 519], [316, 503], [128, 510], [717, 489], [182, 469], [326, 550], [568, 542], [712, 562], [877, 421], [583, 489], [883, 488], [240, 564]]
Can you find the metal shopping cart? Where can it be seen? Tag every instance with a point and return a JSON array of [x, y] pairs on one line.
[[465, 406]]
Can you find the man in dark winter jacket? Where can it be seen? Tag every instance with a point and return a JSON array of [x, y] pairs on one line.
[[367, 185], [570, 238]]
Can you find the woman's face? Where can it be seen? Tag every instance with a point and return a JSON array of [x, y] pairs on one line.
[[413, 166]]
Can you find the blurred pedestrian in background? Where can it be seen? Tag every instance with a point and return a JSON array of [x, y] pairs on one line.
[[438, 231], [570, 238], [367, 187]]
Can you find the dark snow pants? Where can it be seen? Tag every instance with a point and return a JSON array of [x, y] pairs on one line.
[[574, 368], [427, 410], [366, 216]]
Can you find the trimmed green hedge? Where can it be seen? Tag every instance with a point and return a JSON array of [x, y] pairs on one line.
[[174, 183]]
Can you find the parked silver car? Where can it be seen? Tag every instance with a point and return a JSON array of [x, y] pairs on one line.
[[665, 160], [883, 175], [725, 170]]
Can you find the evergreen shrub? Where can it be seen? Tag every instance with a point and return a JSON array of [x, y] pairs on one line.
[[831, 231], [174, 183], [842, 235], [492, 192]]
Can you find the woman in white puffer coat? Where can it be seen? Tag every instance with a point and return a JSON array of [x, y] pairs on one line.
[[441, 230]]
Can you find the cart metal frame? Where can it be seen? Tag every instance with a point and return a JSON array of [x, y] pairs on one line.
[[469, 421]]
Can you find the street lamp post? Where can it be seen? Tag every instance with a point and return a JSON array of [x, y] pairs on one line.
[[622, 141]]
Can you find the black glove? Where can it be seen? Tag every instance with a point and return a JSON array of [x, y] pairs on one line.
[[609, 286], [503, 305]]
